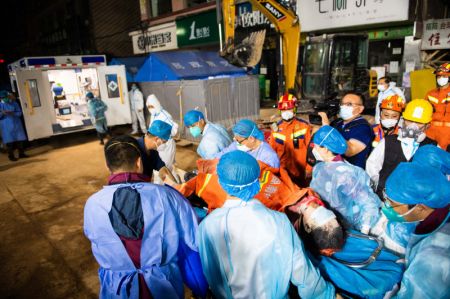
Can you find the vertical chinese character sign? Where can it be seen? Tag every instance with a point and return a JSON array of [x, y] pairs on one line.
[[436, 34]]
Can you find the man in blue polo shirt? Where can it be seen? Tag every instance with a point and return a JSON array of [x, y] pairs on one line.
[[354, 128]]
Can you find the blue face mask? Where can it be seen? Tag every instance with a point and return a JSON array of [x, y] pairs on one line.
[[392, 215], [195, 131]]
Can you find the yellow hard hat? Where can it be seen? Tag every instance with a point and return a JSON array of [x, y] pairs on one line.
[[419, 111]]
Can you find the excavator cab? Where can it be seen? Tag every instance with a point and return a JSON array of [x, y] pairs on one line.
[[333, 65]]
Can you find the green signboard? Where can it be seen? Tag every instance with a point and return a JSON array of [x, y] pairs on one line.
[[391, 33], [198, 30]]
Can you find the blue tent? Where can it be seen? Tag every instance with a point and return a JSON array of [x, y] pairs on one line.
[[185, 65], [132, 65]]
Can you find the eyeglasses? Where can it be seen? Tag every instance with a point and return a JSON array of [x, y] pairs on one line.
[[240, 141], [389, 202], [349, 104]]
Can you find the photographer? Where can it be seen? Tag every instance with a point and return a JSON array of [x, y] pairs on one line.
[[355, 129]]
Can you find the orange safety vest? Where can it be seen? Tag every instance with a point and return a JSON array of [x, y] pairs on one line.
[[290, 142], [379, 134], [277, 190], [440, 125]]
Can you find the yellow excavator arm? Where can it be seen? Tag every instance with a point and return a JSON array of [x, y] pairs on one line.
[[248, 53]]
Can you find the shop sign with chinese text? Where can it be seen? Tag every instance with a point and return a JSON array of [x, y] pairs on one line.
[[436, 34], [198, 29], [329, 14], [157, 38], [247, 17]]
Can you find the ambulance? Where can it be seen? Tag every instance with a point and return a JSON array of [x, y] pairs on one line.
[[52, 92]]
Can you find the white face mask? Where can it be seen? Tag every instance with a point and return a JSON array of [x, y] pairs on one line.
[[152, 111], [346, 112], [317, 155], [243, 148], [381, 87], [322, 216], [287, 115], [442, 81], [389, 123]]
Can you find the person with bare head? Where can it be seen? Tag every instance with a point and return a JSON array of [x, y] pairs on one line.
[[354, 128]]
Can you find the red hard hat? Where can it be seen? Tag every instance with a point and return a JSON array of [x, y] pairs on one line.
[[443, 70], [287, 102]]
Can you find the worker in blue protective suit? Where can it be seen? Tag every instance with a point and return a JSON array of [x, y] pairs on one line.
[[345, 187], [249, 251], [143, 235], [420, 193], [248, 138], [214, 137], [13, 134], [97, 109]]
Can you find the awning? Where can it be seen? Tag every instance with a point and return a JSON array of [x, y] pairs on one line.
[[185, 65], [132, 65]]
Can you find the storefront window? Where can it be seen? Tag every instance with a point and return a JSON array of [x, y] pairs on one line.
[[160, 7]]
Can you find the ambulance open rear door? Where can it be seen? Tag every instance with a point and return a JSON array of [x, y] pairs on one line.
[[36, 102], [113, 91]]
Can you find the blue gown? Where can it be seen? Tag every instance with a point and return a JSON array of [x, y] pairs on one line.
[[97, 109], [12, 128], [263, 153], [249, 251], [427, 273], [346, 188], [215, 138], [168, 222]]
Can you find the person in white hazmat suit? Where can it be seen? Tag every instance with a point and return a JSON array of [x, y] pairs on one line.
[[167, 150], [137, 110]]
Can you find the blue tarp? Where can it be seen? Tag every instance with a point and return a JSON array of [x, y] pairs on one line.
[[185, 65], [132, 65]]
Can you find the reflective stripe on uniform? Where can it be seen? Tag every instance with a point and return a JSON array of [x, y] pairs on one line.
[[298, 133], [264, 179], [441, 123], [279, 136], [433, 99], [207, 179]]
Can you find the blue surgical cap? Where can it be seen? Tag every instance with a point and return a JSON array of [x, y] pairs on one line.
[[330, 138], [193, 116], [433, 156], [3, 94], [239, 174], [89, 95], [413, 183], [160, 129], [247, 128]]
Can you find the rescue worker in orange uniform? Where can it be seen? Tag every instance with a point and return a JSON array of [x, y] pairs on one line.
[[391, 109], [277, 190], [440, 99], [290, 141]]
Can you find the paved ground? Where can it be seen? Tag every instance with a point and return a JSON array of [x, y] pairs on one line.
[[43, 252]]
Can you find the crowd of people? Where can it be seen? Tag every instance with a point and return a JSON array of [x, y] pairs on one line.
[[353, 210], [350, 210]]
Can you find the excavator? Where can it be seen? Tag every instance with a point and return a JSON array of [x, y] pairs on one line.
[[332, 64]]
